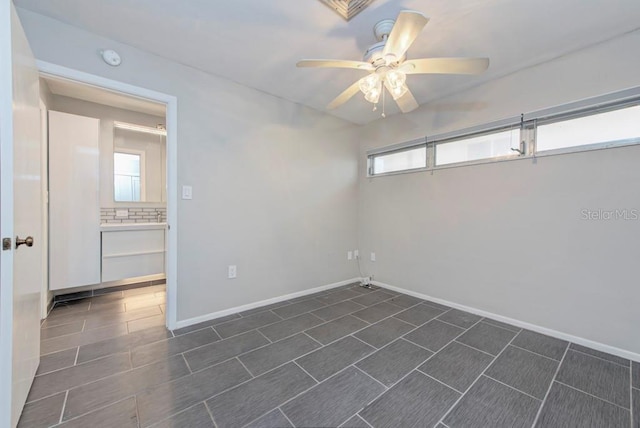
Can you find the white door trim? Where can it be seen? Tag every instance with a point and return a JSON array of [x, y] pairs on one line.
[[44, 168], [172, 163]]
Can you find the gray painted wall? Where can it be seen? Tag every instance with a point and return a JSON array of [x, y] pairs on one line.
[[509, 237], [274, 183]]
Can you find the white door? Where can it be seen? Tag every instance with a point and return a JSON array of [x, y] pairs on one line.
[[20, 216]]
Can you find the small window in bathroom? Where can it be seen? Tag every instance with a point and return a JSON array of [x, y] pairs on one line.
[[127, 184]]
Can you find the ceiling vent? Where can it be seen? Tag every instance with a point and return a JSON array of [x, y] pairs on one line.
[[347, 8]]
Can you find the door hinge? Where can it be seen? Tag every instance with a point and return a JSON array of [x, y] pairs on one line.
[[6, 244]]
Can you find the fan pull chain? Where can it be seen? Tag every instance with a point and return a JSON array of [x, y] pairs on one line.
[[383, 98]]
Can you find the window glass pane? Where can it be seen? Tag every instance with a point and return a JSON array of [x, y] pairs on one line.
[[605, 127], [400, 161], [481, 147], [126, 177]]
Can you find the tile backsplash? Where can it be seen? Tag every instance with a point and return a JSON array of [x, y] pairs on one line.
[[133, 215]]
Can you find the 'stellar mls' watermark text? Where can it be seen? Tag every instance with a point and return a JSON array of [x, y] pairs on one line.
[[606, 215]]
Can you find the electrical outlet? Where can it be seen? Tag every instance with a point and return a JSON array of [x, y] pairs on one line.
[[373, 257], [356, 253], [232, 271], [349, 255], [122, 213]]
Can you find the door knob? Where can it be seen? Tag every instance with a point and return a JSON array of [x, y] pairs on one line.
[[28, 241]]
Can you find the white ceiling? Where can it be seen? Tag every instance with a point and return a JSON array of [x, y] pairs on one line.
[[96, 95], [257, 43]]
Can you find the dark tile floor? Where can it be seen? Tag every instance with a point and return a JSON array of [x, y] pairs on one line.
[[348, 357]]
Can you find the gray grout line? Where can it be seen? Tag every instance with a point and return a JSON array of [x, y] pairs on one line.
[[64, 405], [544, 399], [281, 318], [86, 383], [491, 322], [386, 388], [591, 395], [285, 416], [511, 387], [206, 406], [438, 380], [187, 363], [263, 335], [476, 380], [535, 353], [365, 421], [309, 336], [465, 329], [420, 346], [630, 365], [304, 370], [135, 400], [475, 349], [99, 408], [353, 416], [212, 328], [484, 320], [245, 367]]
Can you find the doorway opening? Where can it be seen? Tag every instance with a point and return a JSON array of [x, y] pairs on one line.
[[118, 201]]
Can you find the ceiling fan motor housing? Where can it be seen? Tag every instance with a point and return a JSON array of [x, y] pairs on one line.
[[374, 54]]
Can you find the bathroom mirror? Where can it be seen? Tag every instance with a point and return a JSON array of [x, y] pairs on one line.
[[139, 164]]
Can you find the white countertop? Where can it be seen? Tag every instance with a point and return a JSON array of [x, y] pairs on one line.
[[113, 227]]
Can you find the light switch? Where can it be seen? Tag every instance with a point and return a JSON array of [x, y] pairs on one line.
[[232, 271], [373, 257], [187, 192], [349, 255]]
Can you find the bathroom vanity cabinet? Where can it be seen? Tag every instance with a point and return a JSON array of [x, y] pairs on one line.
[[132, 250]]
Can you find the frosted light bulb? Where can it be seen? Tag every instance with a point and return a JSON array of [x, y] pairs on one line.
[[395, 79], [399, 91], [374, 94], [366, 84]]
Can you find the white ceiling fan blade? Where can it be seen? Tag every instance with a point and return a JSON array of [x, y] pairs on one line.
[[335, 63], [407, 27], [406, 102], [445, 66], [345, 96]]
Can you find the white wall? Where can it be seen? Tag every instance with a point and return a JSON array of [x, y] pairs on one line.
[[274, 183], [508, 237], [107, 116]]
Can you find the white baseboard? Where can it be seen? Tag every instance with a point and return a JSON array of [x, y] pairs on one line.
[[542, 330], [213, 315]]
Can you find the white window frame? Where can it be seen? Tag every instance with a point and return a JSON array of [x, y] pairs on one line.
[[143, 186], [528, 125], [415, 144]]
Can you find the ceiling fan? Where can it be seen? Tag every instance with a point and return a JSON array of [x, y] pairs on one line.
[[388, 66]]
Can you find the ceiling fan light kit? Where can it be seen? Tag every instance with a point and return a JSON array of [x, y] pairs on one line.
[[387, 63]]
